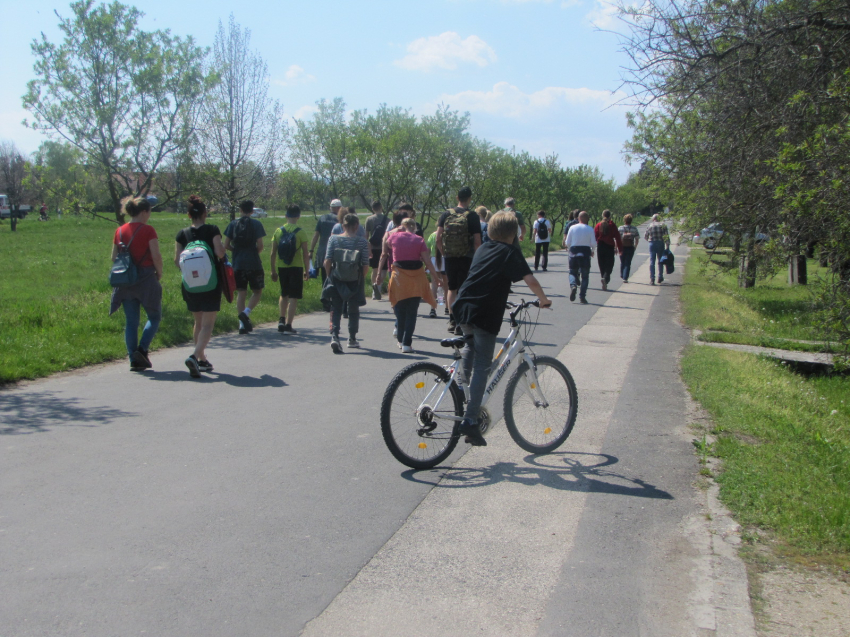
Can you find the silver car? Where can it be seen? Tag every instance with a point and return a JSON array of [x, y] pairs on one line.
[[710, 236], [259, 213]]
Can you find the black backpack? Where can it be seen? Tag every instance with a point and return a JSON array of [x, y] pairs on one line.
[[542, 230], [243, 233], [377, 237], [287, 245]]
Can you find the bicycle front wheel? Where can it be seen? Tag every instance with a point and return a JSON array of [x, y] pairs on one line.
[[541, 405], [411, 420]]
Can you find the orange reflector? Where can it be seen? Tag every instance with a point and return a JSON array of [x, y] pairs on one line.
[[422, 445], [420, 385], [548, 430], [534, 385]]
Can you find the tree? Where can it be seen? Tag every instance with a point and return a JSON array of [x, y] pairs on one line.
[[322, 145], [13, 167], [242, 130], [128, 99]]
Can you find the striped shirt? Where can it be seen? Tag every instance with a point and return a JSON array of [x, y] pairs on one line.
[[629, 230], [657, 231], [342, 242]]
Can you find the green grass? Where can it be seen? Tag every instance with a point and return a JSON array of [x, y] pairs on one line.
[[761, 341], [55, 295], [713, 301], [784, 441]]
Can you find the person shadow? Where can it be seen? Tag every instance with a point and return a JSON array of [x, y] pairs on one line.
[[265, 380]]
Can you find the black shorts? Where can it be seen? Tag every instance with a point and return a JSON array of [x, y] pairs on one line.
[[255, 278], [291, 282], [375, 258], [203, 301], [457, 269]]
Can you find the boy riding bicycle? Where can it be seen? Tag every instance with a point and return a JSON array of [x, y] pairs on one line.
[[480, 310]]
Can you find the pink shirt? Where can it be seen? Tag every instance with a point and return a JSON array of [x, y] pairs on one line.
[[406, 246]]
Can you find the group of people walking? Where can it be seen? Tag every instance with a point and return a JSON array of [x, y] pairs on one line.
[[341, 251]]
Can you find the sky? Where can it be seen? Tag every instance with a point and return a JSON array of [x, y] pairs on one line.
[[541, 76]]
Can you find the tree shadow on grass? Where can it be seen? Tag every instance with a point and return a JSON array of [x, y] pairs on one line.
[[565, 471], [26, 413]]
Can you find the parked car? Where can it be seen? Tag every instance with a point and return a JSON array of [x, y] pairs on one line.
[[259, 213], [710, 236], [6, 209]]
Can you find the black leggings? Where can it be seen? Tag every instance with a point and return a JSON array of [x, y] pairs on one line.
[[605, 256]]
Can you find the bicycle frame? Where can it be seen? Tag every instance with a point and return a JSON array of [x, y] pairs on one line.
[[512, 346]]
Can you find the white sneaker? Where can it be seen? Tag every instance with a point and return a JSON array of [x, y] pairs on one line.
[[395, 331], [353, 344], [406, 349], [336, 347]]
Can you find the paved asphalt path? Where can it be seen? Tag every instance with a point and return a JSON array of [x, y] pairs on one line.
[[261, 499]]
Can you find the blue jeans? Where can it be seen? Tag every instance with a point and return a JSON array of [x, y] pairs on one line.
[[656, 251], [580, 276], [132, 314], [338, 306], [477, 357], [626, 262], [405, 312]]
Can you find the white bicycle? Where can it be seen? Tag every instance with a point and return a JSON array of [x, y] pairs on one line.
[[424, 404]]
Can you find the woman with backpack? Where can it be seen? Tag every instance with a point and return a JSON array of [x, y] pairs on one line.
[[629, 237], [141, 242], [408, 283], [346, 266], [608, 243], [542, 233], [196, 252]]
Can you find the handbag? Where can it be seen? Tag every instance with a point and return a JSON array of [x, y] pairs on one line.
[[124, 272], [228, 278]]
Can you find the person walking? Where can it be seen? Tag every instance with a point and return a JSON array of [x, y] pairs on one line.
[[395, 226], [244, 238], [289, 244], [324, 228], [581, 240], [376, 228], [510, 206], [658, 237], [608, 243], [438, 281], [142, 243], [571, 221], [541, 232], [202, 243], [629, 237], [408, 283], [346, 266], [458, 237], [483, 214]]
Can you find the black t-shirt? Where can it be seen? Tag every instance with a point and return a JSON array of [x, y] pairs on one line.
[[473, 226], [206, 233], [482, 297]]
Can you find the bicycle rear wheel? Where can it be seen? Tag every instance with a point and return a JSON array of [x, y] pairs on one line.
[[412, 430], [541, 426]]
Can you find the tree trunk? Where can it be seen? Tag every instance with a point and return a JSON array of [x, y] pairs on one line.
[[797, 271], [747, 271], [13, 218]]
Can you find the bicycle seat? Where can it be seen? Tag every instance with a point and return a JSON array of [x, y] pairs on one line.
[[458, 342]]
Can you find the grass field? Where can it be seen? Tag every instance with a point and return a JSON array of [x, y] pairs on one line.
[[55, 295], [784, 438]]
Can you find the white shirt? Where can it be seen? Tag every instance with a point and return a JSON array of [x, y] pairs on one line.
[[537, 225], [581, 234]]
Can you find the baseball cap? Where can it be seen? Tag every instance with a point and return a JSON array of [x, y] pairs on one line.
[[336, 203]]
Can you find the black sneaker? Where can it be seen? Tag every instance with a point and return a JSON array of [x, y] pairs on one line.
[[242, 330], [246, 322], [377, 293], [353, 343], [205, 366], [472, 432], [281, 325], [451, 327], [458, 331], [446, 312], [573, 291], [139, 362], [433, 313], [291, 329], [336, 348], [660, 280], [194, 367], [583, 300]]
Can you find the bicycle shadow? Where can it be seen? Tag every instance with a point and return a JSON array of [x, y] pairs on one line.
[[564, 471]]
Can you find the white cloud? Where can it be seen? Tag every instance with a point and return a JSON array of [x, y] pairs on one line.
[[295, 75], [446, 51], [305, 112], [506, 100], [603, 15]]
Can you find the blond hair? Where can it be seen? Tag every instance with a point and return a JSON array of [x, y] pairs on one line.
[[503, 227], [409, 223]]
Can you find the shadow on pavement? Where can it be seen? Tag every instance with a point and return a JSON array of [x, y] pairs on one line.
[[216, 377], [567, 471], [36, 412]]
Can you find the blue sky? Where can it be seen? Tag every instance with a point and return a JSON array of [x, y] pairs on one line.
[[534, 74]]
